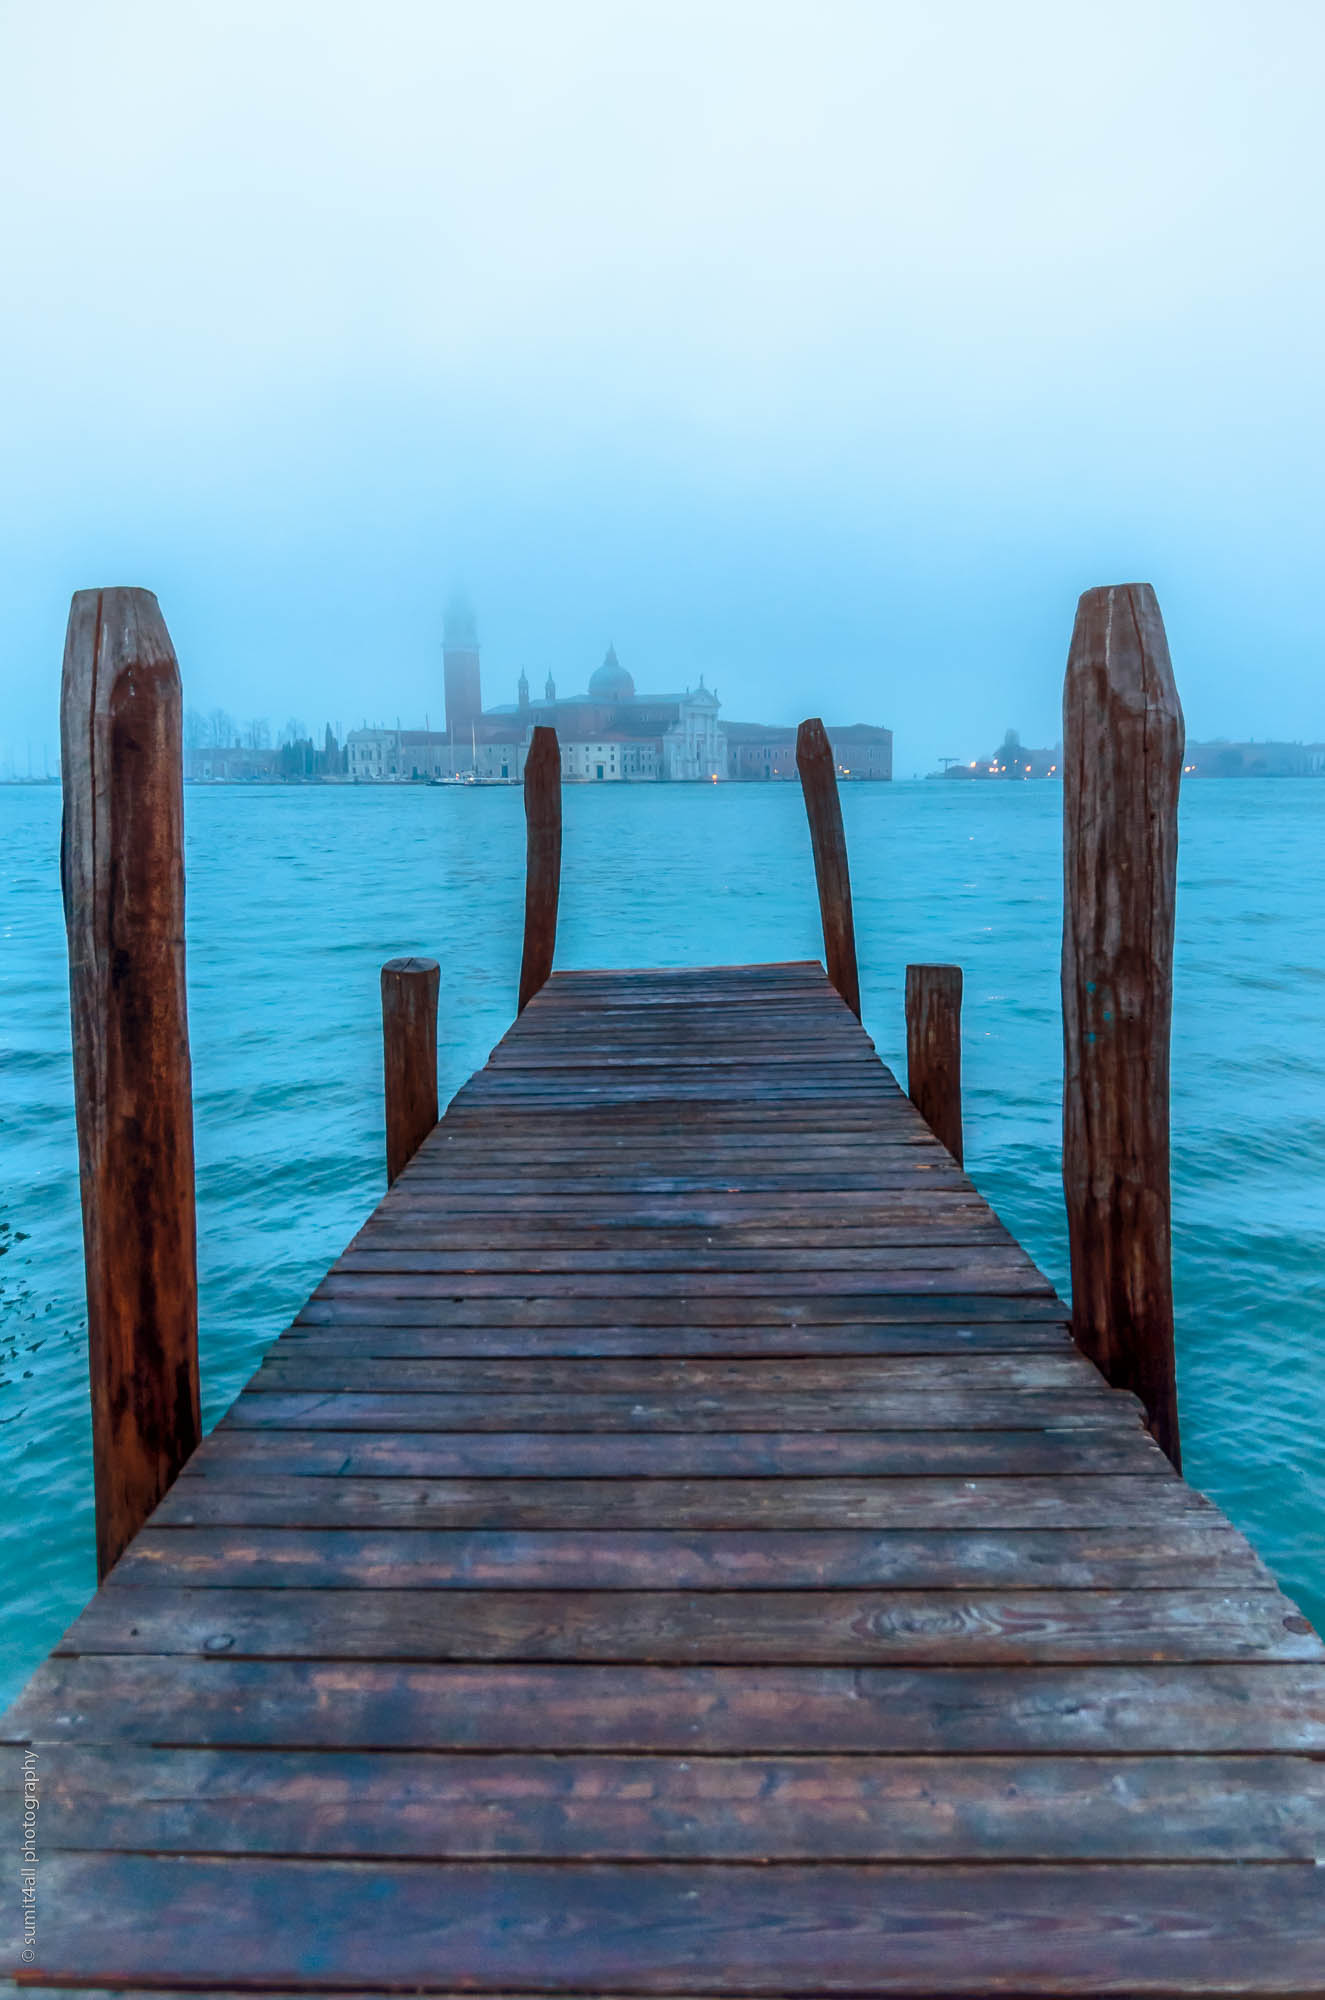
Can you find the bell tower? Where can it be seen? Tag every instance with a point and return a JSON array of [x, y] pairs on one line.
[[460, 670]]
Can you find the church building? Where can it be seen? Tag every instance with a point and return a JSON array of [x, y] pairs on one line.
[[610, 734]]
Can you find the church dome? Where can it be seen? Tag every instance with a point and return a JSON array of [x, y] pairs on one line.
[[611, 682]]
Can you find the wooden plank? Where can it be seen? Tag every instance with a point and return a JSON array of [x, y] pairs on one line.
[[429, 1805], [292, 1368], [1122, 765], [990, 1250], [768, 1309], [505, 1927], [942, 1337], [996, 1272], [122, 871], [794, 1627], [939, 1710], [1102, 1557], [416, 1235], [238, 1495], [952, 1409], [1061, 1453]]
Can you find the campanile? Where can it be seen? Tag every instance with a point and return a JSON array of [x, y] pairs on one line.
[[460, 668]]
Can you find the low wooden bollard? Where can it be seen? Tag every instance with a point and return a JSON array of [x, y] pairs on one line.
[[1122, 766], [409, 1056], [122, 871], [934, 1050], [542, 807], [818, 775]]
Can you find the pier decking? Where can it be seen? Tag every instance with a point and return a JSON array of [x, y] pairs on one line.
[[678, 1550]]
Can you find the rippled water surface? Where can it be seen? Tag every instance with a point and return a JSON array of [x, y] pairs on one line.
[[295, 898]]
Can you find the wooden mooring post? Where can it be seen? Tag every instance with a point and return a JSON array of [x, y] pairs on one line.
[[122, 870], [934, 1050], [409, 1056], [542, 807], [1122, 766], [818, 775]]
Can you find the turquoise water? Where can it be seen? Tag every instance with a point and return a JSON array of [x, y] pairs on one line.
[[295, 898]]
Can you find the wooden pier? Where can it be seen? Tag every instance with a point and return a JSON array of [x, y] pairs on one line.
[[683, 1547], [679, 1550]]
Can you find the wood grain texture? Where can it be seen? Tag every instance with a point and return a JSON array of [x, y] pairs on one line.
[[715, 1710], [542, 806], [409, 1057], [934, 1050], [590, 1807], [122, 869], [678, 1928], [818, 776], [679, 1550], [1123, 739]]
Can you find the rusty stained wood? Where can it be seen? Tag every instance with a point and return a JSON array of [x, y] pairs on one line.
[[934, 1050], [542, 806], [409, 1056], [122, 870], [818, 775], [1123, 742]]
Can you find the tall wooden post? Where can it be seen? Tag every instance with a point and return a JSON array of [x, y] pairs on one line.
[[409, 1056], [934, 1050], [122, 869], [542, 808], [1123, 743], [814, 761]]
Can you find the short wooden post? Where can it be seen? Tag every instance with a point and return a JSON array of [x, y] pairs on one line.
[[122, 870], [934, 1050], [542, 808], [409, 1056], [1122, 765], [814, 761]]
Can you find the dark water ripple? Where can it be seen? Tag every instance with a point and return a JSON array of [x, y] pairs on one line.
[[295, 898]]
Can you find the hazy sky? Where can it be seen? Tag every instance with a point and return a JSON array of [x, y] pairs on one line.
[[826, 349]]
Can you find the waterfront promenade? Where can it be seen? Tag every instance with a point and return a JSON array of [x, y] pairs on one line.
[[678, 1549]]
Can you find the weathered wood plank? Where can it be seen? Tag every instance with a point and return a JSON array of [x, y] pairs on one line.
[[238, 1495], [941, 1710], [768, 1309], [375, 1804], [458, 1342], [1101, 1557], [294, 1368], [797, 1627], [950, 1409], [694, 1929], [1053, 1453]]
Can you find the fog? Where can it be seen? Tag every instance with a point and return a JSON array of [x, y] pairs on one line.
[[827, 350]]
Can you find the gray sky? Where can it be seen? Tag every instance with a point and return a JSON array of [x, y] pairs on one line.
[[826, 349]]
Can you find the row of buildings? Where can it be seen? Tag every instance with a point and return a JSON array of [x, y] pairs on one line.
[[608, 734], [1013, 759]]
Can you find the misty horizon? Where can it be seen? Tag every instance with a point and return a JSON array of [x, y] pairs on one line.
[[829, 354]]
